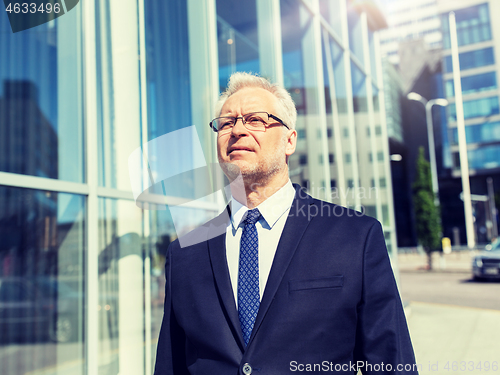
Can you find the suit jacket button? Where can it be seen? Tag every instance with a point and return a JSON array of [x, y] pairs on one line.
[[247, 369]]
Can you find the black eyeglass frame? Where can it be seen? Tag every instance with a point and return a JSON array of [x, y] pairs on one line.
[[269, 116]]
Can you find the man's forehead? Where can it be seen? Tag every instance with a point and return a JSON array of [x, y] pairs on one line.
[[255, 98]]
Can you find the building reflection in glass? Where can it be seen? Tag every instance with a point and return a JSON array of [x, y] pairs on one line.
[[41, 280]]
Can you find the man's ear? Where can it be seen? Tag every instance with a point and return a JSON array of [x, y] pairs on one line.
[[291, 142]]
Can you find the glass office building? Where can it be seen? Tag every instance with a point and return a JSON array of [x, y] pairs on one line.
[[410, 20], [81, 261], [477, 34]]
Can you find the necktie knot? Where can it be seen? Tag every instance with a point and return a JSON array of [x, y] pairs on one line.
[[252, 216]]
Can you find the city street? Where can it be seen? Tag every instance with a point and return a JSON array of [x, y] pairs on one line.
[[450, 288]]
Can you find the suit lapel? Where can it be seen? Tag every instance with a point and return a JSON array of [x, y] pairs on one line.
[[217, 251], [293, 231]]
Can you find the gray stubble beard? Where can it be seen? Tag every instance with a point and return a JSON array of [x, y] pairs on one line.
[[257, 175]]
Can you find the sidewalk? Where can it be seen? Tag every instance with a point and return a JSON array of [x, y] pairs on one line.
[[446, 338], [450, 339], [457, 261]]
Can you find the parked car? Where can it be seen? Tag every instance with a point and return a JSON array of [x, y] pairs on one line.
[[486, 265], [38, 309]]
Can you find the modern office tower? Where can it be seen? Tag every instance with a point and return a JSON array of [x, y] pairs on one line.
[[417, 40], [420, 73], [478, 40], [409, 20], [124, 85], [400, 153], [410, 47]]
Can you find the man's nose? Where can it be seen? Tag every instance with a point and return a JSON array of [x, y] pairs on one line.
[[239, 128]]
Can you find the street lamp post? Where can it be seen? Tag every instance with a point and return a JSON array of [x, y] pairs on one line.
[[430, 134]]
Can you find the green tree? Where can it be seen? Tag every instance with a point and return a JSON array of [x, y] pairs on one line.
[[426, 211]]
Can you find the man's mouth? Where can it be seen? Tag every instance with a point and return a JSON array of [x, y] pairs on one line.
[[232, 149]]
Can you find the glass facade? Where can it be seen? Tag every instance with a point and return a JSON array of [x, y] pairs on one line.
[[478, 67], [482, 133], [42, 269], [473, 84], [237, 38], [121, 280], [81, 254], [355, 35], [472, 59], [359, 89], [487, 157], [476, 108], [329, 11], [41, 106], [168, 88], [334, 58], [473, 26], [418, 19]]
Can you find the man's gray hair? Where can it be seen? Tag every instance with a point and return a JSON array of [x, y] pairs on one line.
[[240, 80]]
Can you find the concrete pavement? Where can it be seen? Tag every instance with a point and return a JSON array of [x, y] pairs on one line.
[[455, 340], [457, 261], [450, 339]]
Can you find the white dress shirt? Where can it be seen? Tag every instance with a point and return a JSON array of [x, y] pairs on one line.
[[274, 211]]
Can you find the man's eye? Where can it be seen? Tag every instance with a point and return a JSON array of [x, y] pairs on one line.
[[255, 120], [226, 123]]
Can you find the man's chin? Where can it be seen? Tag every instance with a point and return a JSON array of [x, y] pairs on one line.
[[246, 169], [235, 168], [231, 170]]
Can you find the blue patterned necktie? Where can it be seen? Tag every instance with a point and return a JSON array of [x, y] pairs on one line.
[[248, 275]]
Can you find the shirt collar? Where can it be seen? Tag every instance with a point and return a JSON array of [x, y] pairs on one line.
[[271, 209]]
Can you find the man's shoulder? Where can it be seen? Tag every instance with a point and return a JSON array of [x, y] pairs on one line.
[[202, 233], [323, 211]]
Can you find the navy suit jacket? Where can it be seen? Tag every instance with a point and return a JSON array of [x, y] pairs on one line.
[[330, 300]]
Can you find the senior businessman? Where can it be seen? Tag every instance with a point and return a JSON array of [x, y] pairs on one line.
[[293, 283]]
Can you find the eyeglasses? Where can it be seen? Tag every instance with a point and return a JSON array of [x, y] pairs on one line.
[[255, 121]]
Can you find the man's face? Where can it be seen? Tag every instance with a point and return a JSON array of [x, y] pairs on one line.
[[258, 154]]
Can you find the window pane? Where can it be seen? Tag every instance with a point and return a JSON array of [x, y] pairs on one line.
[[41, 281], [358, 89], [476, 108], [41, 128], [237, 38], [373, 61], [355, 33], [169, 93], [339, 76], [293, 70], [473, 84], [473, 59], [301, 80], [473, 25], [121, 288], [489, 132], [484, 157], [330, 11], [119, 113]]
